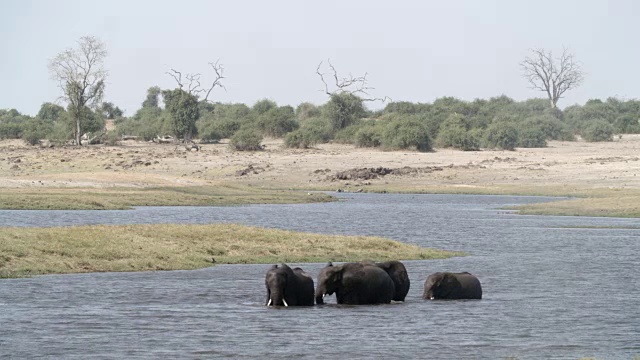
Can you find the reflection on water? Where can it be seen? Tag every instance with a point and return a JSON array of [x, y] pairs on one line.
[[549, 291]]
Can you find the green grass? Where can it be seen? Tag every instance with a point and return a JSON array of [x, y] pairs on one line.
[[125, 198], [100, 248], [625, 206]]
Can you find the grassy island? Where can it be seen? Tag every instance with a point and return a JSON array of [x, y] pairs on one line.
[[101, 248]]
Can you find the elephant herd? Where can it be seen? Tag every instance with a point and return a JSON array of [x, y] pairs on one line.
[[361, 283]]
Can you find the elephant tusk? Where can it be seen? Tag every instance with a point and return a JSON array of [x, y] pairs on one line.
[[323, 295], [285, 302], [431, 298], [269, 303]]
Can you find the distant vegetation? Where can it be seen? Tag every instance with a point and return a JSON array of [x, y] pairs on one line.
[[498, 122]]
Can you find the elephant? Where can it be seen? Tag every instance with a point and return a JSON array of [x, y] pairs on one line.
[[446, 285], [355, 284], [398, 273], [288, 287]]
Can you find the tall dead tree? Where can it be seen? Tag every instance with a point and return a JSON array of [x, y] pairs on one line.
[[552, 75], [81, 77]]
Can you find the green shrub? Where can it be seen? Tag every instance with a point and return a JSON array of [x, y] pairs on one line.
[[10, 131], [111, 138], [343, 110], [276, 122], [35, 130], [598, 130], [264, 105], [627, 124], [348, 134], [406, 134], [502, 135], [307, 110], [458, 137], [368, 136], [531, 137], [314, 131], [246, 139], [552, 128]]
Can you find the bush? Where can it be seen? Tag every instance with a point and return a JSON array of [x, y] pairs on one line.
[[502, 135], [343, 110], [246, 139], [35, 130], [458, 137], [598, 130], [10, 131], [307, 110], [276, 122], [314, 131], [348, 134], [405, 134], [111, 138], [369, 136], [552, 128], [627, 124], [531, 137], [263, 106]]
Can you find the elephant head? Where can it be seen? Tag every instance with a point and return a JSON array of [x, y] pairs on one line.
[[288, 287], [329, 280], [436, 286], [276, 282]]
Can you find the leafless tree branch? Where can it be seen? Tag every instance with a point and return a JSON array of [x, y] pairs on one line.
[[194, 85], [218, 69], [177, 75], [350, 84]]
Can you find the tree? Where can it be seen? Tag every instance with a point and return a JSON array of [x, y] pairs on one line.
[[151, 100], [81, 77], [184, 111], [182, 104], [552, 75], [347, 97], [50, 112], [110, 111]]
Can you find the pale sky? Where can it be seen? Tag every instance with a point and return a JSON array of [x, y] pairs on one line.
[[412, 50]]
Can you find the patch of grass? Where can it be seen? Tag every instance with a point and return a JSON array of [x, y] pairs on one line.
[[125, 198], [37, 251], [625, 206]]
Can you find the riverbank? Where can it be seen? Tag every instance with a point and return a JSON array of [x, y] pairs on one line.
[[62, 250], [604, 175]]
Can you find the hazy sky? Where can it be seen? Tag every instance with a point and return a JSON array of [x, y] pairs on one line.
[[412, 50]]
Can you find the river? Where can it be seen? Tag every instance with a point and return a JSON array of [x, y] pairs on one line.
[[554, 287]]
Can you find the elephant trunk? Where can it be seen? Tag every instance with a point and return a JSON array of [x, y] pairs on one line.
[[277, 299], [320, 294]]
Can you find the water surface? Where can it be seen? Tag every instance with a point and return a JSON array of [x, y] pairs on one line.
[[554, 287]]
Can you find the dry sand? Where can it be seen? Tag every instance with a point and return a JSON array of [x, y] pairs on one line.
[[578, 164]]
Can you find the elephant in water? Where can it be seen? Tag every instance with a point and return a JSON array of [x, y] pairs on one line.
[[355, 284], [398, 273], [288, 287], [446, 285]]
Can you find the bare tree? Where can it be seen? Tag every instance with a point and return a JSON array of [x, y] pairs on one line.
[[350, 84], [81, 77], [194, 87], [552, 75]]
